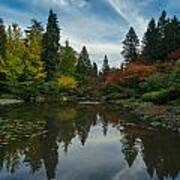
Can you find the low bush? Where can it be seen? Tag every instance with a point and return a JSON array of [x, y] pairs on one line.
[[162, 96], [67, 82], [156, 82]]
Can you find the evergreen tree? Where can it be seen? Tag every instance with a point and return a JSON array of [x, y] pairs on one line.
[[150, 42], [84, 66], [162, 24], [2, 39], [13, 66], [34, 36], [95, 70], [172, 36], [105, 68], [35, 30], [68, 60], [131, 44], [51, 46]]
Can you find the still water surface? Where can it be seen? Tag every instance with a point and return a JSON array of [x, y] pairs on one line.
[[40, 142]]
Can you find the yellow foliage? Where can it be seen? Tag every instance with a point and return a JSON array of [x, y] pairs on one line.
[[67, 82], [67, 114]]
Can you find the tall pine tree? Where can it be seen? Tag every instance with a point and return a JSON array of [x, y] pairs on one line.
[[162, 24], [84, 66], [172, 36], [95, 70], [68, 60], [150, 42], [35, 30], [51, 46], [2, 39], [105, 67], [34, 36], [131, 44]]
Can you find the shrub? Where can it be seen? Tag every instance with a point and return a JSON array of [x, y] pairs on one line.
[[118, 92], [67, 82], [113, 89], [155, 82], [131, 75], [162, 96]]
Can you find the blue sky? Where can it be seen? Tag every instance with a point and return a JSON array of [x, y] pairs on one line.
[[99, 24]]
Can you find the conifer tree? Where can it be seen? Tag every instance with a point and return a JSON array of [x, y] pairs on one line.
[[105, 67], [35, 30], [84, 66], [51, 46], [68, 60], [2, 39], [172, 36], [131, 44], [162, 24], [95, 70], [150, 42], [34, 36], [13, 66]]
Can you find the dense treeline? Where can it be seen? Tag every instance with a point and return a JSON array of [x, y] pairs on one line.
[[160, 40], [34, 63], [151, 70]]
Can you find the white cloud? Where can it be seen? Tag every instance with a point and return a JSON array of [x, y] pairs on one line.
[[130, 11], [97, 50], [60, 3]]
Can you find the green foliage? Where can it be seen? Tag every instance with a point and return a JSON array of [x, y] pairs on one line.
[[2, 39], [174, 77], [161, 39], [150, 42], [162, 96], [159, 81], [24, 90], [14, 65], [22, 67], [117, 92], [84, 67], [171, 41], [35, 68], [162, 87], [51, 46], [113, 89], [156, 81], [68, 60]]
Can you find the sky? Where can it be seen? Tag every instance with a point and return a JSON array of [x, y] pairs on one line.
[[100, 25]]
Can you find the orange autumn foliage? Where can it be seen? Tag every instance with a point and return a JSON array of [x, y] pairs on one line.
[[138, 71]]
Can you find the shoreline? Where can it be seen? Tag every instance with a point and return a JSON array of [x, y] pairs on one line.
[[165, 116]]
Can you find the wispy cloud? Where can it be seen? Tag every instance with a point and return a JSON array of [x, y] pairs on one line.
[[101, 25], [130, 11]]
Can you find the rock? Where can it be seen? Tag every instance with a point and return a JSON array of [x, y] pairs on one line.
[[10, 101], [138, 140], [89, 102], [121, 128], [130, 124], [174, 110], [156, 124]]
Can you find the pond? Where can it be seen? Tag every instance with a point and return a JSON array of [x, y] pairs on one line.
[[81, 142]]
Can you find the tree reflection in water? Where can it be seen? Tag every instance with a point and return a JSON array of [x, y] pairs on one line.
[[32, 135]]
